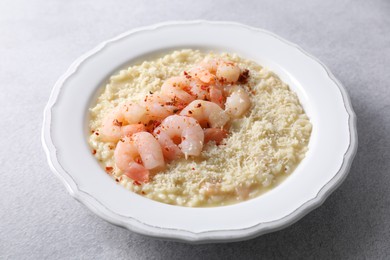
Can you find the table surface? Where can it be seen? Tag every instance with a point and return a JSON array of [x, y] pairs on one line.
[[39, 40]]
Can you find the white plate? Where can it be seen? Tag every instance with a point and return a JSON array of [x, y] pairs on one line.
[[332, 146]]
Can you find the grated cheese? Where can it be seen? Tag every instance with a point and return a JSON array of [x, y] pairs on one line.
[[262, 149]]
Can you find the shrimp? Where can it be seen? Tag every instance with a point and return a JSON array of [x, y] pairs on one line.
[[157, 107], [129, 130], [128, 117], [207, 113], [210, 64], [216, 95], [133, 113], [214, 134], [237, 103], [138, 154], [179, 88], [206, 88], [202, 73], [126, 114], [208, 71], [228, 72], [179, 135]]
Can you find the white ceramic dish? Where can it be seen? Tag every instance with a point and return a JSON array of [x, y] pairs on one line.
[[331, 150]]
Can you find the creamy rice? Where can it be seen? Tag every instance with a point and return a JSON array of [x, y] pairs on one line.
[[262, 149]]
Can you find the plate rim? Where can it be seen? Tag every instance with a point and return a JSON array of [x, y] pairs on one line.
[[185, 235]]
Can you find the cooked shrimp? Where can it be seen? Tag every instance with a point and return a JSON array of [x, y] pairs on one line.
[[149, 150], [210, 64], [179, 135], [126, 118], [228, 72], [207, 113], [111, 128], [206, 88], [125, 114], [199, 89], [157, 107], [237, 103], [138, 154], [129, 130], [202, 73], [216, 95], [179, 88], [214, 134], [210, 70], [133, 113], [127, 160]]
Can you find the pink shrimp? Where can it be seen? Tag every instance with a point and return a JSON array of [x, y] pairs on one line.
[[214, 134], [179, 88], [138, 154], [237, 103], [179, 135], [157, 106], [207, 113], [126, 114], [208, 71]]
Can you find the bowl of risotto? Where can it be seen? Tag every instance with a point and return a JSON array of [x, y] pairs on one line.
[[199, 139]]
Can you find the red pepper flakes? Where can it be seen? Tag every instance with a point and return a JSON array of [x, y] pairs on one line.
[[117, 123], [96, 133], [94, 151], [244, 76], [188, 90], [193, 168], [109, 169], [151, 125], [143, 193], [136, 183], [117, 180], [190, 112], [199, 105]]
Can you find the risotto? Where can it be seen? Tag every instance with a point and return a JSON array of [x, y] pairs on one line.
[[261, 149]]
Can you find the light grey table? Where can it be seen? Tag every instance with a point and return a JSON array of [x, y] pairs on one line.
[[38, 41]]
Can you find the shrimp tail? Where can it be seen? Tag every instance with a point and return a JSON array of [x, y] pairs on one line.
[[137, 172]]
